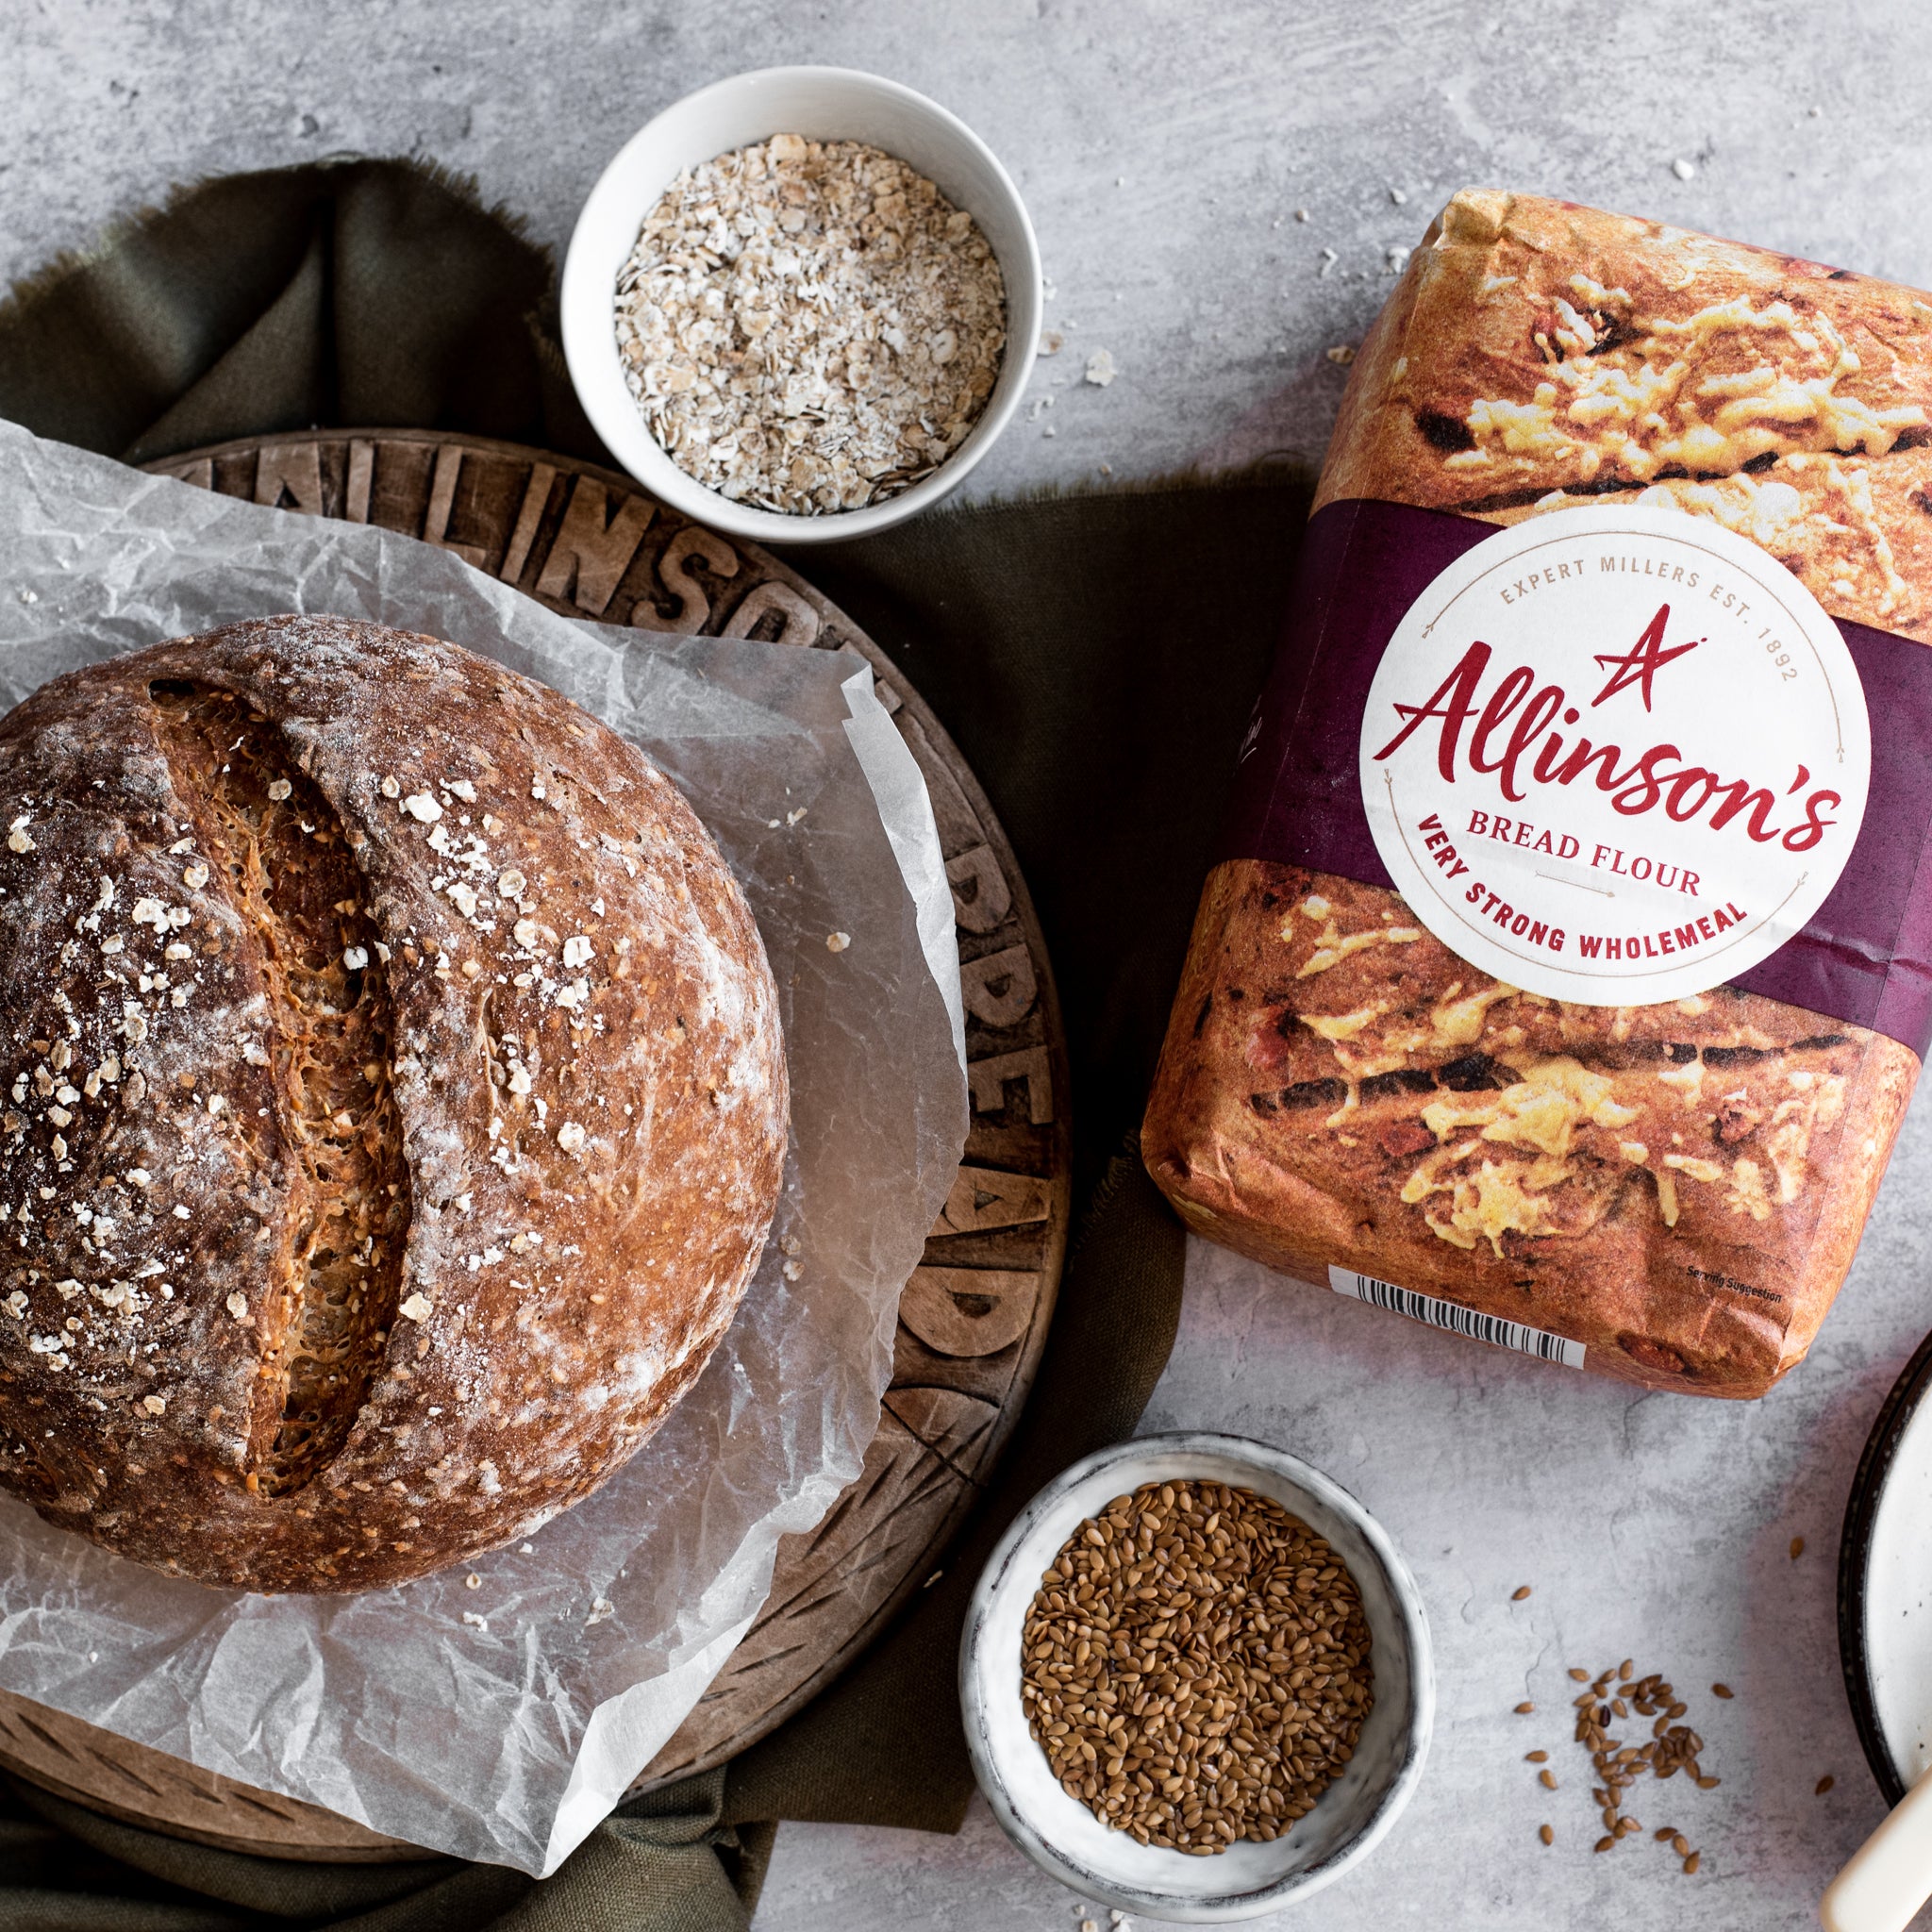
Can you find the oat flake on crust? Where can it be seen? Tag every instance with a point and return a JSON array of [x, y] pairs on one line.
[[809, 326]]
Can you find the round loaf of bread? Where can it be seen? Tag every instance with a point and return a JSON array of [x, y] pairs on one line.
[[394, 1104]]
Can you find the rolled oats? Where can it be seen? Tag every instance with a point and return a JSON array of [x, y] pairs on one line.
[[809, 326]]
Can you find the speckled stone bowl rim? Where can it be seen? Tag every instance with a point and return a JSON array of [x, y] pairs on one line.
[[1015, 1566], [821, 104]]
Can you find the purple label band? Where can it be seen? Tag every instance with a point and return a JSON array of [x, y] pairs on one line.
[[1866, 957]]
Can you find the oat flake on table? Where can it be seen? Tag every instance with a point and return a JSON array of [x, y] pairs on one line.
[[809, 326]]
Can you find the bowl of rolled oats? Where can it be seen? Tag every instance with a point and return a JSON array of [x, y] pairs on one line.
[[801, 304], [1196, 1679]]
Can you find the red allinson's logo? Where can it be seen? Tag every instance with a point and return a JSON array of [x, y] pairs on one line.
[[1507, 730], [1615, 754]]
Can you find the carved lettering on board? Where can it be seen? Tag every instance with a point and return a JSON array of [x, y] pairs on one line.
[[292, 470], [981, 898], [801, 622], [987, 1081], [969, 1312], [984, 1197], [999, 990], [529, 514], [691, 545], [442, 496], [359, 480], [594, 549]]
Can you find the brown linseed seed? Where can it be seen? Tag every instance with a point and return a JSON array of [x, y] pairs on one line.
[[1612, 1697], [1195, 1666]]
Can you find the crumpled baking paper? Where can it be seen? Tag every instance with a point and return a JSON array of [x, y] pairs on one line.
[[503, 1722]]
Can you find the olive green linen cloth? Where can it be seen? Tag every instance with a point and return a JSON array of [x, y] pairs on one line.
[[1095, 656]]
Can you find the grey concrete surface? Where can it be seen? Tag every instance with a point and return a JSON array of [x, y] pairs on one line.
[[1164, 150]]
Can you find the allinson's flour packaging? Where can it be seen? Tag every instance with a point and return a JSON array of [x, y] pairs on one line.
[[1569, 963]]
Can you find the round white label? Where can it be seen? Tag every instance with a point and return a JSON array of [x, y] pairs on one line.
[[1615, 754]]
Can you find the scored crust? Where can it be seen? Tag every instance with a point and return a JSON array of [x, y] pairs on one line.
[[1679, 1187], [395, 1105]]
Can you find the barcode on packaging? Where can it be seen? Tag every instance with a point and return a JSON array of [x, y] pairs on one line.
[[1456, 1319]]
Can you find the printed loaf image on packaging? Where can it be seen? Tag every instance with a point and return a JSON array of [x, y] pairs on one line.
[[1567, 968]]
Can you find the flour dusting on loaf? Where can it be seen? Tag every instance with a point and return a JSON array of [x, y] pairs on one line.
[[395, 1103]]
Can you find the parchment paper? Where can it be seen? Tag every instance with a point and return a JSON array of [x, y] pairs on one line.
[[507, 1737]]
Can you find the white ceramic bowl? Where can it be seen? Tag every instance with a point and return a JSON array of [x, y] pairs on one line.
[[1059, 1832], [821, 104]]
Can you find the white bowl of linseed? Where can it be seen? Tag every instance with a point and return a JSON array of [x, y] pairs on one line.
[[1196, 1679], [800, 304]]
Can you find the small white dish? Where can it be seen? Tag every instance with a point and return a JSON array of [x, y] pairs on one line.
[[1885, 1642], [1058, 1833], [821, 104]]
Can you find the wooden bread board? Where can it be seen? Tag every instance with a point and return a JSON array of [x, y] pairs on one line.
[[589, 543]]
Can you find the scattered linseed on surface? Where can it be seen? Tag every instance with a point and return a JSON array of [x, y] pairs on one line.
[[1517, 1595], [809, 326], [1615, 1695], [1823, 1785], [1721, 1691], [1797, 1547], [1196, 1666], [1546, 1833]]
